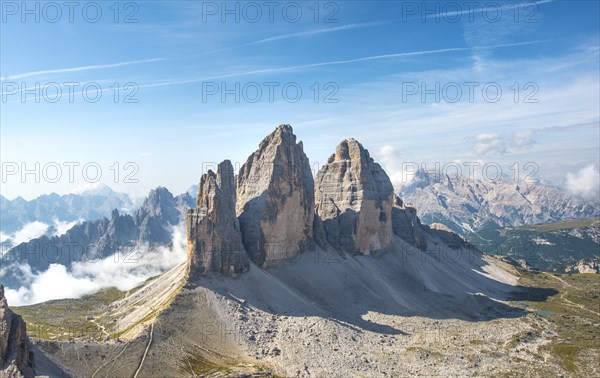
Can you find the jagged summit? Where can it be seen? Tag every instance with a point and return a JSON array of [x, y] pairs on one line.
[[350, 149], [285, 128], [275, 199], [281, 212], [354, 198], [467, 205], [213, 231]]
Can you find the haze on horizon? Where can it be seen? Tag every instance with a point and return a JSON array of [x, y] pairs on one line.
[[186, 84]]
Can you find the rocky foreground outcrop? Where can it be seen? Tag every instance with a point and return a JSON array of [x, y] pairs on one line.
[[275, 199], [213, 231], [354, 198], [16, 357]]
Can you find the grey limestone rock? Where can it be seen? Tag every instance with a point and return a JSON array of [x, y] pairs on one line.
[[16, 357], [275, 199], [213, 231], [354, 199]]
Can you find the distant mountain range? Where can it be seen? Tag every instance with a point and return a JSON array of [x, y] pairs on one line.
[[477, 210], [294, 276], [467, 206], [562, 247], [88, 205], [150, 224]]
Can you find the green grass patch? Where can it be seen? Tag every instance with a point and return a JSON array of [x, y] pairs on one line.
[[572, 313], [567, 353], [67, 319]]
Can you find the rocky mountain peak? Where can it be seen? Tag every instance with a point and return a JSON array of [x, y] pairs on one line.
[[350, 149], [158, 200], [285, 129], [213, 231], [354, 198], [283, 135], [280, 212], [275, 199], [467, 205]]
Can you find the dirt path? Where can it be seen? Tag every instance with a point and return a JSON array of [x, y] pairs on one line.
[[113, 361], [573, 304], [100, 327], [561, 280], [145, 352]]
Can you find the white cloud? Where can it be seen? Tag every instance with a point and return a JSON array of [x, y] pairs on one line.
[[29, 231], [584, 183], [4, 237], [61, 227], [36, 229], [487, 144], [96, 188], [308, 66], [524, 138], [393, 165], [497, 144], [123, 270]]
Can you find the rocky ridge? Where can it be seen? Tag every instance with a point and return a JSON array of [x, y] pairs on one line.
[[151, 224], [470, 205], [281, 212], [48, 208]]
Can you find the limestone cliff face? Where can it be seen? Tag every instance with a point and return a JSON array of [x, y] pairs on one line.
[[275, 199], [407, 226], [354, 198], [273, 210], [16, 358], [213, 231]]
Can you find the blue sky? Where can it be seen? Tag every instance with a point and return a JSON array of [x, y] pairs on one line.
[[367, 59]]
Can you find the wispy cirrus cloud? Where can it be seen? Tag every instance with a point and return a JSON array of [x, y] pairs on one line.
[[337, 62], [78, 69], [316, 32], [313, 65], [416, 53]]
